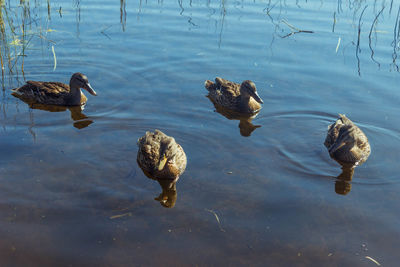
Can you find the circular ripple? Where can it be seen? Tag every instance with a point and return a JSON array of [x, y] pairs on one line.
[[298, 137]]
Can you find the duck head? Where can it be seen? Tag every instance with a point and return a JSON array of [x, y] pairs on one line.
[[249, 88], [79, 80]]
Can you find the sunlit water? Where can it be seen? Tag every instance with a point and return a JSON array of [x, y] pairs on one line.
[[72, 193]]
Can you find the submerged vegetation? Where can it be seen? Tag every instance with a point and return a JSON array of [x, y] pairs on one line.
[[22, 22], [366, 17], [19, 25]]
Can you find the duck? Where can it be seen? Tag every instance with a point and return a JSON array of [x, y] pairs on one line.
[[56, 93], [346, 143], [241, 98], [160, 156]]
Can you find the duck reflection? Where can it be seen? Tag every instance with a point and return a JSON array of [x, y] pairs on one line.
[[169, 194], [343, 182], [246, 126], [80, 120]]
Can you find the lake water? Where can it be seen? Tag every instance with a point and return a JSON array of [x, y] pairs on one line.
[[72, 193]]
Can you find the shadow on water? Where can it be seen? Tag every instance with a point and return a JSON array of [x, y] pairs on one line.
[[246, 126]]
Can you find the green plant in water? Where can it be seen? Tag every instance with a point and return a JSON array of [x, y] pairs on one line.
[[17, 29]]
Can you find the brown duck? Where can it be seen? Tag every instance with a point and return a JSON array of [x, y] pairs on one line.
[[160, 157], [56, 93], [241, 98], [346, 143]]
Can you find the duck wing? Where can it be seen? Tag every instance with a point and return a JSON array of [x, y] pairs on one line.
[[55, 88], [334, 129], [52, 93], [227, 87]]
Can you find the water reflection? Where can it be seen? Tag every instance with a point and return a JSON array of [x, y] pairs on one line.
[[343, 182], [169, 194], [246, 126], [80, 119], [366, 23], [122, 18]]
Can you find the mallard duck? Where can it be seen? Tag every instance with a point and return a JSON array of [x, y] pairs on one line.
[[346, 143], [238, 97], [160, 156], [56, 93]]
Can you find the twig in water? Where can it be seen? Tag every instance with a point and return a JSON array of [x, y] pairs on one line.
[[48, 9], [391, 5], [2, 66], [269, 7], [105, 34], [338, 43], [374, 261], [395, 38], [294, 29], [334, 21], [358, 40], [55, 58], [121, 215], [369, 36], [217, 218]]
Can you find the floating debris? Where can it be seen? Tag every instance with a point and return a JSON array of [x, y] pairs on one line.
[[293, 29], [374, 261], [217, 218], [16, 42], [55, 58], [121, 215], [338, 43]]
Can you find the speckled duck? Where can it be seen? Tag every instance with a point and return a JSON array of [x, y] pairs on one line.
[[346, 143], [160, 157], [56, 93], [241, 98]]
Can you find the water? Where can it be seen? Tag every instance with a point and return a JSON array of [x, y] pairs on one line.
[[72, 193]]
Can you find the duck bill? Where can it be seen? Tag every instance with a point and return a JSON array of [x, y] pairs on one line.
[[257, 97], [89, 88], [335, 147], [162, 163]]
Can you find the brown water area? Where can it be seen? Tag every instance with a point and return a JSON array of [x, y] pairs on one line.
[[258, 190]]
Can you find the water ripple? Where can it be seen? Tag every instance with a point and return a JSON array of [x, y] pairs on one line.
[[301, 146]]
